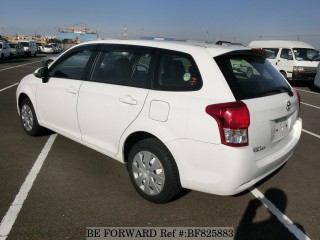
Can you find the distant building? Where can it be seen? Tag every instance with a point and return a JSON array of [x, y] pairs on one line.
[[76, 34], [77, 37], [158, 38]]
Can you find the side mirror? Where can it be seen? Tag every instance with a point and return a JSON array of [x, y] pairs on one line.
[[42, 73]]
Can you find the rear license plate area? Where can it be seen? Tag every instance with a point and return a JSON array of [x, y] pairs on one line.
[[281, 128]]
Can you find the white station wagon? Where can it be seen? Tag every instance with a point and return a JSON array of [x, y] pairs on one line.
[[178, 115]]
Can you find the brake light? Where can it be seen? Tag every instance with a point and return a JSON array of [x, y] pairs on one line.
[[233, 119], [262, 52], [259, 50], [298, 70], [299, 99]]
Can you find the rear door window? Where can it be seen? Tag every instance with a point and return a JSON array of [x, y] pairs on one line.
[[250, 75], [123, 65]]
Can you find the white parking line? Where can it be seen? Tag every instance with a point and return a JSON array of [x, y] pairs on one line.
[[311, 133], [310, 105], [1, 90], [18, 66], [281, 217], [307, 91], [12, 214]]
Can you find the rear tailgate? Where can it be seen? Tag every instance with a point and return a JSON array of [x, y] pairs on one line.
[[271, 122], [273, 105]]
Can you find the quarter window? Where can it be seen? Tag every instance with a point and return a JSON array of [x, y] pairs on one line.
[[177, 72]]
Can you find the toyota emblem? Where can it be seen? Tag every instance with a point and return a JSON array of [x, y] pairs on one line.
[[288, 105]]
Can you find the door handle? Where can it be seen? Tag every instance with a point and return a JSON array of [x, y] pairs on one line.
[[128, 100], [72, 90]]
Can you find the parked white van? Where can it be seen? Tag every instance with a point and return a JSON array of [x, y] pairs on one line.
[[30, 47], [5, 51], [296, 61]]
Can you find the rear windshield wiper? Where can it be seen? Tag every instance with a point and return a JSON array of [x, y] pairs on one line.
[[280, 89]]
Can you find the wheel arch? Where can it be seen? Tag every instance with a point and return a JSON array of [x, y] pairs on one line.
[[22, 96], [284, 74], [132, 139]]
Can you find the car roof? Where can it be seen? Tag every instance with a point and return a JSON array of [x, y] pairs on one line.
[[213, 50], [279, 44]]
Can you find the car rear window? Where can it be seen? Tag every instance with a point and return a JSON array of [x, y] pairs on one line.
[[250, 75]]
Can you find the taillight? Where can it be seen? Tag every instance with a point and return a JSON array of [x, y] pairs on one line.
[[298, 70], [233, 119], [299, 99], [258, 50]]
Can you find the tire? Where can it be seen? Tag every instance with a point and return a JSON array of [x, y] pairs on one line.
[[153, 171], [29, 119], [2, 57]]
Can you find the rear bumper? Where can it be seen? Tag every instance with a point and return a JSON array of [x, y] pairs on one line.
[[306, 77], [223, 170]]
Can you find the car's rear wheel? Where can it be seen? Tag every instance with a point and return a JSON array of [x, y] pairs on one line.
[[153, 171], [29, 119]]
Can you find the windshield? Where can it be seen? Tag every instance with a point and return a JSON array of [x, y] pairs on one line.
[[25, 44], [306, 54], [251, 76]]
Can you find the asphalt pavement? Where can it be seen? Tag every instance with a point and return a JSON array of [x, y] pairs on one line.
[[78, 187]]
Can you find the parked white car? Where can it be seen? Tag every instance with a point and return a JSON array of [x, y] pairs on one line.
[[56, 47], [46, 48], [17, 49], [5, 50], [177, 115], [30, 47]]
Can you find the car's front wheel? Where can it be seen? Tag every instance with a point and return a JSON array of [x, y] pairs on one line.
[[153, 171], [29, 119]]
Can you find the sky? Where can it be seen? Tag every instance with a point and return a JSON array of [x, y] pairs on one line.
[[236, 21]]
